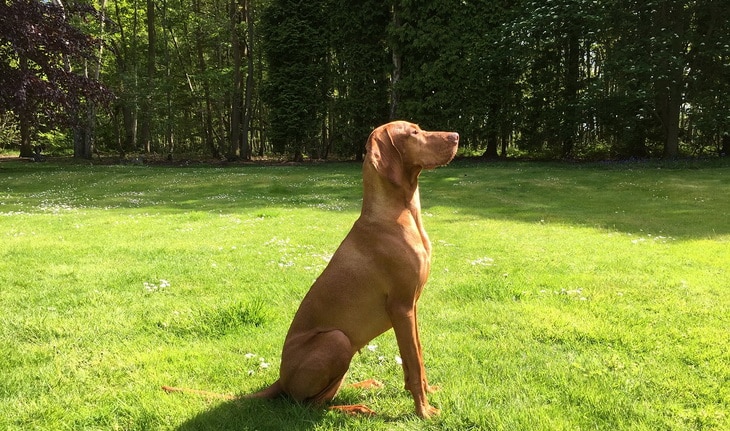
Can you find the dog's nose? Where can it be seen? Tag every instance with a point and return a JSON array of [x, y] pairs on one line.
[[454, 137]]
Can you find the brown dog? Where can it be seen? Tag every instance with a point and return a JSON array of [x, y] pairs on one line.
[[375, 277]]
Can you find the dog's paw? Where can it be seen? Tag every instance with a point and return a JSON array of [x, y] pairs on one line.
[[427, 411], [354, 410], [368, 384]]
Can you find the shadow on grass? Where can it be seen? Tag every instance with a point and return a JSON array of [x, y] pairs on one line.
[[245, 414], [285, 414], [675, 199]]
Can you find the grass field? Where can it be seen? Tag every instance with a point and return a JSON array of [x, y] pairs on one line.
[[562, 297]]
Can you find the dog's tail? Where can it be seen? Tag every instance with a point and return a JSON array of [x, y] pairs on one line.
[[199, 392], [273, 391]]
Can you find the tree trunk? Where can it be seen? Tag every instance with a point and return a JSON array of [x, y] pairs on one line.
[[125, 54], [206, 109], [669, 106], [146, 114], [129, 120], [248, 96], [85, 148], [671, 67], [492, 142], [397, 68], [236, 98], [492, 131], [25, 118], [505, 133], [570, 99], [669, 109], [168, 41]]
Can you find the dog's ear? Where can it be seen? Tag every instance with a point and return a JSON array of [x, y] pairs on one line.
[[383, 153]]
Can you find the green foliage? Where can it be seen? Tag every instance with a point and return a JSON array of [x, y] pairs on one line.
[[433, 40], [361, 66], [39, 43], [709, 87], [296, 45], [561, 296], [556, 79], [9, 133]]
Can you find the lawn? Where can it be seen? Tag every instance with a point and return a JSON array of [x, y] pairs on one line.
[[562, 297]]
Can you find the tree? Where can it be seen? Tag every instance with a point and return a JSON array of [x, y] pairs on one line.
[[708, 84], [85, 132], [458, 69], [237, 10], [38, 49], [555, 40], [429, 42], [492, 75], [123, 75], [296, 46], [360, 79], [149, 87], [562, 78], [248, 107]]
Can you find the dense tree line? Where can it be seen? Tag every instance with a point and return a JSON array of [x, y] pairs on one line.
[[243, 78], [39, 88]]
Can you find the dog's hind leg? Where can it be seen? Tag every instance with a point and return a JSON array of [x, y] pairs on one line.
[[313, 365]]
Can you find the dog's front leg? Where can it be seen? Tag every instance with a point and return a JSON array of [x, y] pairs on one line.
[[403, 317]]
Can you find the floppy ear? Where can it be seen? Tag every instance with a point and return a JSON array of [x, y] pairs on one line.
[[384, 155]]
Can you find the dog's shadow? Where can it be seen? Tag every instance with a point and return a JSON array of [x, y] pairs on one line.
[[250, 414], [278, 414]]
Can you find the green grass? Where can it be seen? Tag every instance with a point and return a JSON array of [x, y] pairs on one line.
[[562, 297]]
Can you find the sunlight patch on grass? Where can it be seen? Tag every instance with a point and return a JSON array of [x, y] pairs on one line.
[[214, 321], [561, 297]]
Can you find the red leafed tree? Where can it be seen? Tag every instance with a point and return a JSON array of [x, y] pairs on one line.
[[38, 46]]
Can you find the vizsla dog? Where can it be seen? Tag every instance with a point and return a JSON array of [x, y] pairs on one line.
[[375, 277]]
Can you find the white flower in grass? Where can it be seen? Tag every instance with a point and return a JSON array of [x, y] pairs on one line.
[[398, 360], [249, 355], [576, 293], [483, 261], [372, 347], [152, 287]]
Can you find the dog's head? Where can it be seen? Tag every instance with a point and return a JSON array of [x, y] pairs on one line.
[[401, 148]]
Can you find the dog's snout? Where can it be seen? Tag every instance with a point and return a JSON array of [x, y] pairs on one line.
[[453, 137]]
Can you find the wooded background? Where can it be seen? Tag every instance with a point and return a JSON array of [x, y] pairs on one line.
[[238, 79]]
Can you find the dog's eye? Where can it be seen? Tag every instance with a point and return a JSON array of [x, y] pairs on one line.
[[414, 132]]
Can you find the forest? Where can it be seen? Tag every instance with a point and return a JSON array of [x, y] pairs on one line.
[[248, 79]]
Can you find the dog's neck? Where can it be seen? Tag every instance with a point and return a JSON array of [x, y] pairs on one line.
[[385, 202]]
